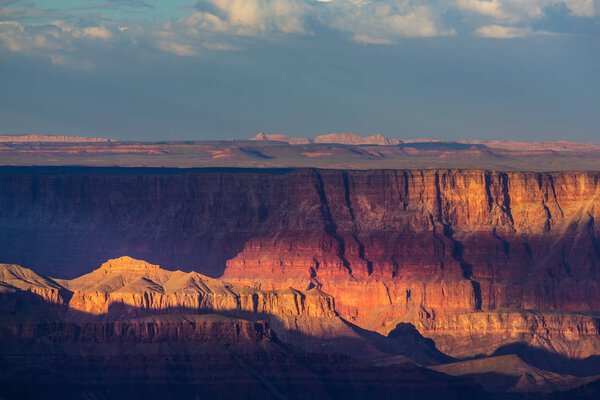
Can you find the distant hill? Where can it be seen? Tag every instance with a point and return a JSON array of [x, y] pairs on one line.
[[34, 137], [330, 138], [381, 140]]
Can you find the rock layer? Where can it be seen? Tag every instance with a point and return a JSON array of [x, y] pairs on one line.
[[390, 246], [134, 287]]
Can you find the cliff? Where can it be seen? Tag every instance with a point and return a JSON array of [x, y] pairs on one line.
[[331, 138], [134, 312], [390, 246], [194, 356], [133, 287], [37, 138], [573, 335], [128, 300]]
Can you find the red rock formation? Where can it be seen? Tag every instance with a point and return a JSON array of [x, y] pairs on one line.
[[352, 138], [515, 375], [573, 335], [37, 138], [388, 245], [194, 356], [441, 242], [178, 328], [132, 287], [14, 278]]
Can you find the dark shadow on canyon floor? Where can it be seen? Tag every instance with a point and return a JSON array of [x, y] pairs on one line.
[[55, 353], [59, 357], [551, 361]]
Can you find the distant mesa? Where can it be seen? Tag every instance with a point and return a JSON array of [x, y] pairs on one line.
[[330, 138], [36, 138], [352, 138], [348, 138], [327, 151], [281, 138]]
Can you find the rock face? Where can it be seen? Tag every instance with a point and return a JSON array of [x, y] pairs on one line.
[[36, 138], [130, 286], [131, 330], [437, 248], [203, 329], [331, 138], [511, 374], [15, 279], [352, 138], [195, 356], [573, 335], [104, 301]]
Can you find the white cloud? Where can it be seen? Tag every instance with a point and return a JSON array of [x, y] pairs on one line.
[[510, 19], [581, 8], [179, 49], [250, 17], [490, 8], [502, 32], [225, 25], [386, 22], [57, 41], [98, 32], [524, 10]]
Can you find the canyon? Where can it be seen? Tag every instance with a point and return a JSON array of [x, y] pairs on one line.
[[387, 267]]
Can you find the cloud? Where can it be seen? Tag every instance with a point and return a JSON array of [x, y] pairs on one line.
[[224, 25], [98, 32], [490, 8], [524, 10], [581, 8], [502, 32], [179, 49], [58, 41], [511, 19], [250, 17], [386, 22]]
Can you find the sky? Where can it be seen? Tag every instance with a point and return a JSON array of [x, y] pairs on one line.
[[222, 69]]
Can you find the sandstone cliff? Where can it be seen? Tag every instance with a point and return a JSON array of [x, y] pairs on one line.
[[130, 286], [195, 356], [37, 138], [101, 305], [390, 246]]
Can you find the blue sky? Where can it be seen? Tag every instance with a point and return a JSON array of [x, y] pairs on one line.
[[217, 69]]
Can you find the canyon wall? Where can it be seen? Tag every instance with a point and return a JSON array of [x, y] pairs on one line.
[[389, 246]]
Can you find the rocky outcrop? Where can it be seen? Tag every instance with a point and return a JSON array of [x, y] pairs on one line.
[[132, 287], [168, 328], [107, 300], [192, 356], [352, 138], [511, 374], [572, 335], [276, 137], [331, 138], [33, 137], [14, 278], [390, 246]]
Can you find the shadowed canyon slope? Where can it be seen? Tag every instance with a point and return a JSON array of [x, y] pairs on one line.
[[186, 334], [476, 260], [133, 330]]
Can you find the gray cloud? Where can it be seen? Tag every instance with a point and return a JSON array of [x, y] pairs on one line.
[[222, 25]]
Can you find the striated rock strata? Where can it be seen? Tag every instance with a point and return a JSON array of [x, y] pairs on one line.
[[436, 248]]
